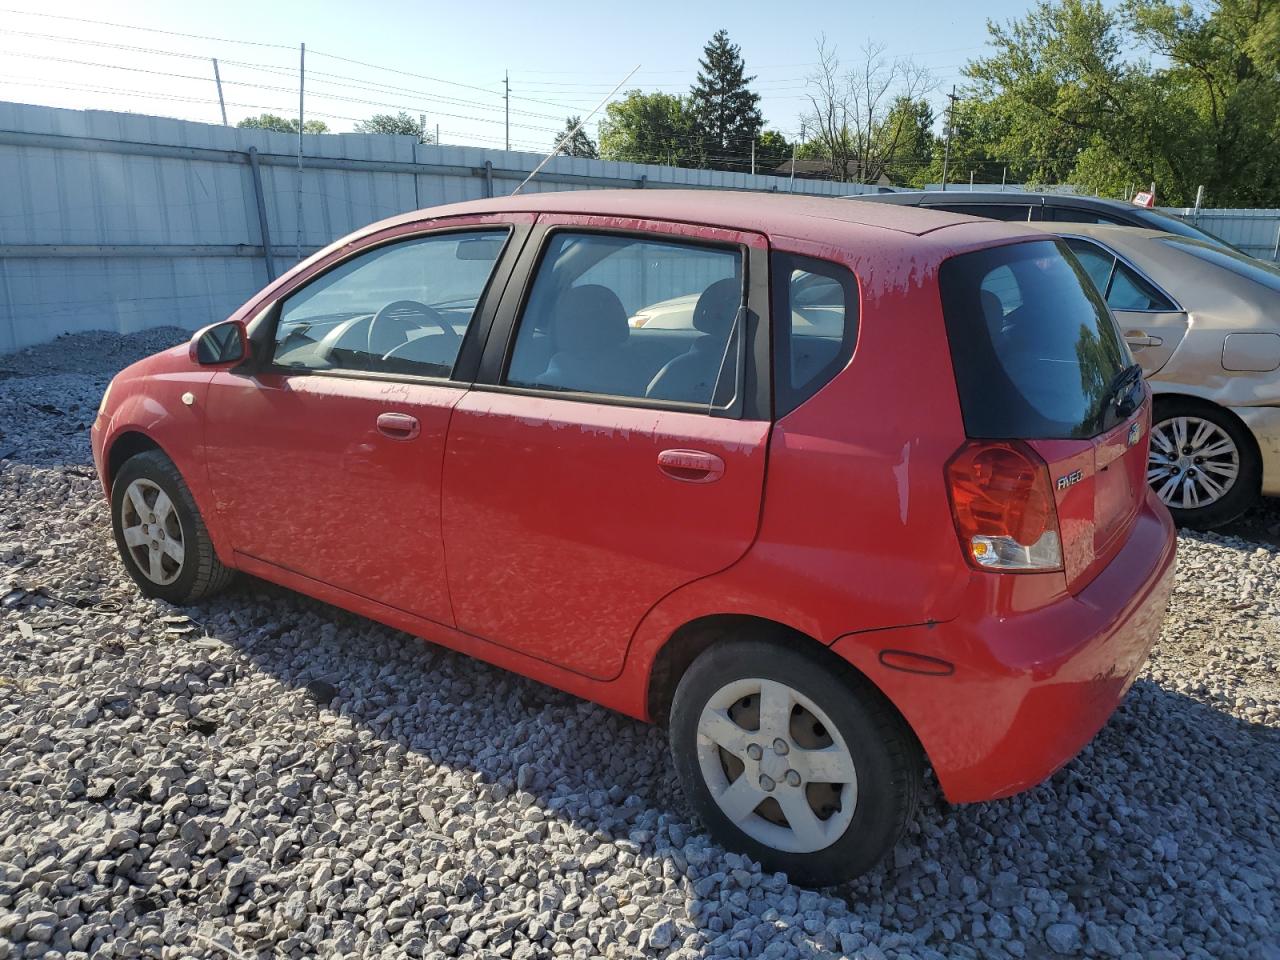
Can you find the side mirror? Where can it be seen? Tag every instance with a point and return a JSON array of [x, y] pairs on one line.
[[226, 342]]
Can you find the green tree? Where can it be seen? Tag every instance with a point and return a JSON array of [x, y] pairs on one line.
[[649, 128], [772, 149], [579, 145], [726, 111], [396, 124], [271, 121], [1062, 99], [910, 122]]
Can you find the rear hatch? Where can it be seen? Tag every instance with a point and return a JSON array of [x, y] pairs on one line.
[[1040, 363]]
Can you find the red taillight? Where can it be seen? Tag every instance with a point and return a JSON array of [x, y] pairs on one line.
[[1003, 507]]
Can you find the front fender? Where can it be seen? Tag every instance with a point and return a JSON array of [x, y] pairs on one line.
[[156, 407]]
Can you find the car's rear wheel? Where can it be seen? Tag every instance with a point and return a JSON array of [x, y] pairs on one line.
[[160, 534], [793, 759], [1203, 464]]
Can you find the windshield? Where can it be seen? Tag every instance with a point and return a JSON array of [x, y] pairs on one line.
[[1241, 264], [1034, 347]]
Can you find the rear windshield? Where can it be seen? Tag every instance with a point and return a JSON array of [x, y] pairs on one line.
[[1034, 348], [1171, 223], [1241, 264]]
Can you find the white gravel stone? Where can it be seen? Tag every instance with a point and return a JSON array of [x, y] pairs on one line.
[[263, 775]]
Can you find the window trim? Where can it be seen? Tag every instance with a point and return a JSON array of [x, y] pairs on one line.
[[497, 361], [269, 317], [1120, 258], [782, 263]]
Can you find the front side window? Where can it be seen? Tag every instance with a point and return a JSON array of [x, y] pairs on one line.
[[815, 324], [1043, 369], [399, 308], [624, 316]]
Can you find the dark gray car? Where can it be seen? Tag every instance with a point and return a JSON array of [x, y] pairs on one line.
[[1051, 207]]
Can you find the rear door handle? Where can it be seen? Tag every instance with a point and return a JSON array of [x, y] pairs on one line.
[[1136, 338], [691, 466], [398, 426]]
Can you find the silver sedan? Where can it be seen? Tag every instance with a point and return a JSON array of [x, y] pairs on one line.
[[1204, 323]]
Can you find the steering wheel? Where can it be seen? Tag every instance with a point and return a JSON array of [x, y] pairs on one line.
[[381, 339]]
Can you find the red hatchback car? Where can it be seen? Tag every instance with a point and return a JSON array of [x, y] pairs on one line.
[[878, 494]]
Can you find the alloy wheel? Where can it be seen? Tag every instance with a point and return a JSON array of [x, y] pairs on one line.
[[1193, 462], [152, 532], [776, 765]]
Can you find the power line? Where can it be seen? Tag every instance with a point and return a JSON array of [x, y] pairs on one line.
[[130, 26]]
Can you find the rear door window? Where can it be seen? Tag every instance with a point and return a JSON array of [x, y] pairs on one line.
[[815, 324], [1034, 348], [642, 318], [1120, 285]]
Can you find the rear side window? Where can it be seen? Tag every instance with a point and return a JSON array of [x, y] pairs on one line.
[[1038, 370], [815, 324], [1120, 285]]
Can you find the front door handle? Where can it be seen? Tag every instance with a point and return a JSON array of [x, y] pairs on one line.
[[691, 466], [398, 426]]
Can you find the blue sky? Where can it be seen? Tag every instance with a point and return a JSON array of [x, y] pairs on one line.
[[447, 59]]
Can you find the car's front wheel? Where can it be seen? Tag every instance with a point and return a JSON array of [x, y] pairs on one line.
[[160, 534], [793, 759], [1203, 464]]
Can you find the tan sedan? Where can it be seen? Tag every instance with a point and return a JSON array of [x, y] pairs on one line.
[[1204, 323]]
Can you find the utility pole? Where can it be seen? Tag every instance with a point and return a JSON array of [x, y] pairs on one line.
[[506, 98], [422, 127], [302, 78], [222, 104], [753, 157], [795, 146], [951, 118], [437, 134]]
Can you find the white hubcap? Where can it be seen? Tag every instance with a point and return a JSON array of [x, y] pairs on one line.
[[152, 532], [777, 766], [1193, 462]]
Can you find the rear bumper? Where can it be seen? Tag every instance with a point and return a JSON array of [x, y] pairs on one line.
[[1264, 424], [1029, 688]]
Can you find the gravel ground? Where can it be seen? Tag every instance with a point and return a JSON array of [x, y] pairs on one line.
[[264, 775]]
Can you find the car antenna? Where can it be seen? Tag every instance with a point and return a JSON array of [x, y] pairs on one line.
[[578, 126]]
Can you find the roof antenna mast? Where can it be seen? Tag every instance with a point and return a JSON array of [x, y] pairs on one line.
[[569, 136]]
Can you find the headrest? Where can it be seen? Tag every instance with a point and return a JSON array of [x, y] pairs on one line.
[[992, 310], [590, 317], [717, 307]]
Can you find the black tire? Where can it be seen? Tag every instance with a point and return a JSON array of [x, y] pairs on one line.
[[886, 756], [1243, 492], [201, 573]]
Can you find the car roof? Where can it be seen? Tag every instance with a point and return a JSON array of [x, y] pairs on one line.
[[1011, 197], [815, 218]]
